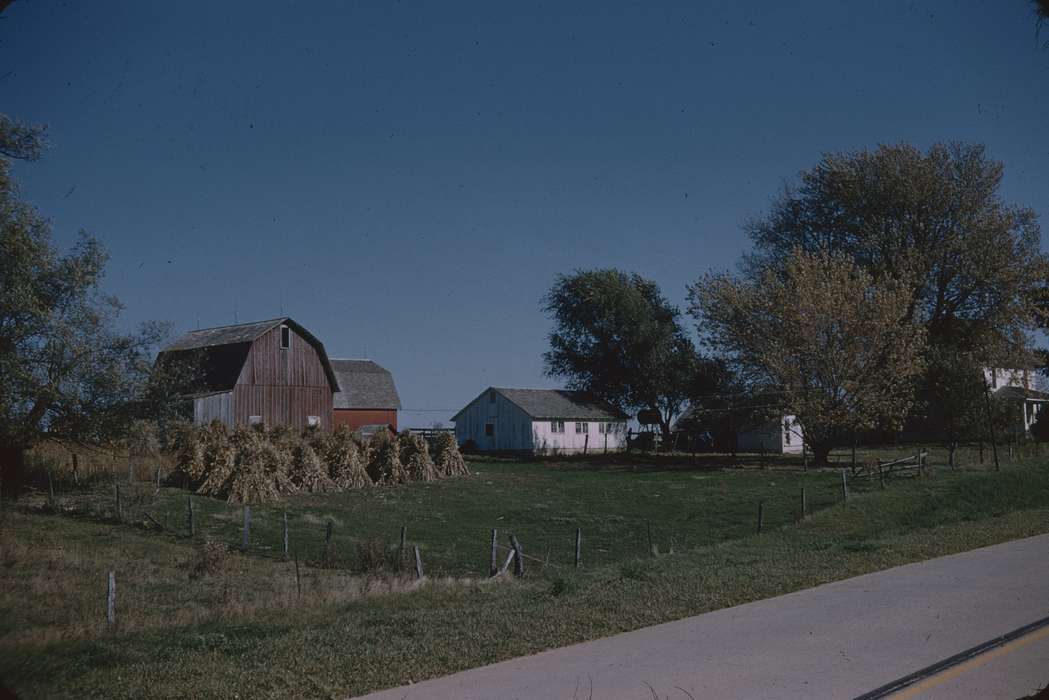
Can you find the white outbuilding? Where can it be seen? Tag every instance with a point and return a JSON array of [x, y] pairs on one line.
[[540, 421]]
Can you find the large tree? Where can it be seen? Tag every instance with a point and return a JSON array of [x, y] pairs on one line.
[[617, 336], [934, 224], [65, 370], [819, 335]]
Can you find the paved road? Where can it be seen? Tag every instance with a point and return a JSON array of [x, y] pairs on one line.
[[839, 640]]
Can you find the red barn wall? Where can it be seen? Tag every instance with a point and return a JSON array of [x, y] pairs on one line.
[[284, 386], [356, 417]]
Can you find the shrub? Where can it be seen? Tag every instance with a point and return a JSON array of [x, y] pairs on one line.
[[384, 459], [371, 556], [448, 459], [211, 558], [415, 456]]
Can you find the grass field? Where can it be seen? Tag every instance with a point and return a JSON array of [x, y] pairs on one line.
[[246, 624]]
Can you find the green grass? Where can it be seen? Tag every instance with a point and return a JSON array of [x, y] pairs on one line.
[[246, 627]]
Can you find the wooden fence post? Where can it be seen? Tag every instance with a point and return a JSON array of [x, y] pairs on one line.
[[651, 545], [298, 578], [881, 475], [284, 538], [586, 442], [328, 531], [418, 563], [111, 599], [189, 515], [76, 469], [246, 534], [158, 476], [844, 487], [518, 556], [116, 496], [493, 567], [578, 546], [50, 489], [130, 471], [761, 516], [804, 504], [400, 549]]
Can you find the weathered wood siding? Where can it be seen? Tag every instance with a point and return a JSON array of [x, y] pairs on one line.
[[283, 385], [213, 407], [512, 426]]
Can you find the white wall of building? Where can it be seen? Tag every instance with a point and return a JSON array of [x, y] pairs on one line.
[[593, 436], [996, 377]]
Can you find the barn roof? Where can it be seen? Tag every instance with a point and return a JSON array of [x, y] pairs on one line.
[[544, 404], [224, 349], [364, 384]]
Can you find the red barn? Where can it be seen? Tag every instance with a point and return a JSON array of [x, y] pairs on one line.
[[270, 372], [368, 395]]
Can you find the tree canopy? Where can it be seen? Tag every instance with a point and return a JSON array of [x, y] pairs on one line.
[[931, 222], [66, 371], [617, 336], [821, 336]]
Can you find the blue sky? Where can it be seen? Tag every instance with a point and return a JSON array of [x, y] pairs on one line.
[[406, 178]]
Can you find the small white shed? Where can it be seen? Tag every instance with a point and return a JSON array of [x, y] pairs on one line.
[[540, 421], [781, 435]]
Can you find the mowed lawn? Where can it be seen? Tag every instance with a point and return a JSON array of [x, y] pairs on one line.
[[251, 624]]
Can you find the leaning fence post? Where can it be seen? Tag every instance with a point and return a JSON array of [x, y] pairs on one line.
[[246, 534], [519, 556], [418, 563], [761, 516], [284, 539], [578, 546], [881, 475], [50, 488], [844, 486], [493, 568], [111, 599]]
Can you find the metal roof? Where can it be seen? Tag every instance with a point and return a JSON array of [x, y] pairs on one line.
[[246, 333], [545, 404], [364, 384]]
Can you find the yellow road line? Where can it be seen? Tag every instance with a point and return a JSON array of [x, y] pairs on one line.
[[955, 671]]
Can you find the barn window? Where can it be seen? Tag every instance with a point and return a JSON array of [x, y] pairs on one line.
[[557, 426], [254, 420], [581, 428], [313, 421], [489, 429], [491, 396], [285, 337]]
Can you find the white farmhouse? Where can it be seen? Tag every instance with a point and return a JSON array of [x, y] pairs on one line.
[[1015, 386], [540, 421]]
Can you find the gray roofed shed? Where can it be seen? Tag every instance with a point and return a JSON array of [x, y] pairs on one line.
[[364, 385], [544, 404]]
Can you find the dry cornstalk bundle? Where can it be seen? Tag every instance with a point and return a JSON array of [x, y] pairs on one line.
[[415, 456], [449, 461], [308, 473], [345, 457], [260, 473], [218, 456], [384, 459]]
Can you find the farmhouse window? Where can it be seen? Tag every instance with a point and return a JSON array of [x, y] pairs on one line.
[[582, 428], [313, 421], [489, 429], [285, 337], [557, 426], [604, 428]]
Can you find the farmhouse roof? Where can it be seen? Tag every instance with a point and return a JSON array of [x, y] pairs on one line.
[[1019, 392], [545, 404], [364, 384], [222, 350]]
